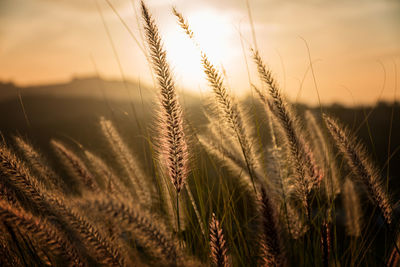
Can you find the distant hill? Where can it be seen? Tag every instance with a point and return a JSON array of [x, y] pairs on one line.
[[74, 108], [71, 111], [8, 90], [89, 87]]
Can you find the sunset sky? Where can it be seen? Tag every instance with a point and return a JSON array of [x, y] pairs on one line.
[[354, 44]]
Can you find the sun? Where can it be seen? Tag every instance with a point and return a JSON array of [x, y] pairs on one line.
[[215, 34]]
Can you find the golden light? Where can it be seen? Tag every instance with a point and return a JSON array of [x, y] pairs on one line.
[[214, 32]]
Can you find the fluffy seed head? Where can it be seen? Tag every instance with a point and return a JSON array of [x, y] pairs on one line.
[[173, 147], [43, 232], [308, 173], [75, 166], [219, 254], [270, 245], [361, 166]]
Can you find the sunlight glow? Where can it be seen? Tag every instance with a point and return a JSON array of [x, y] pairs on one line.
[[214, 32]]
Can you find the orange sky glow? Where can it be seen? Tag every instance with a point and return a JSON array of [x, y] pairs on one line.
[[354, 44]]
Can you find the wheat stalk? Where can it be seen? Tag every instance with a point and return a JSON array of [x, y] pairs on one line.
[[356, 157]]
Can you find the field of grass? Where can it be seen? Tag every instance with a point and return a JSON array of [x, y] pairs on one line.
[[168, 180]]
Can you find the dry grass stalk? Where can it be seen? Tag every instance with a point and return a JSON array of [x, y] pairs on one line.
[[35, 198], [277, 164], [234, 164], [325, 243], [167, 196], [298, 227], [38, 164], [231, 112], [183, 23], [276, 149], [8, 195], [110, 179], [137, 179], [360, 164], [75, 166], [102, 249], [270, 119], [351, 204], [225, 147], [196, 210], [325, 155], [219, 252], [271, 249], [220, 135], [394, 259], [19, 181], [309, 174], [8, 255], [44, 233], [173, 147], [147, 229], [227, 105]]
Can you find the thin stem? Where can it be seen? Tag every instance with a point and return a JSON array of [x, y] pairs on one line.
[[247, 163], [196, 210], [177, 215]]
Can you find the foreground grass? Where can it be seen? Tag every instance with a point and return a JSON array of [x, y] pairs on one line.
[[300, 190]]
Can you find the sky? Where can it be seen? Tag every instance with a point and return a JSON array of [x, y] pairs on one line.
[[353, 46]]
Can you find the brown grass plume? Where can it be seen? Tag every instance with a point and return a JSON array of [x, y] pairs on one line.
[[360, 164]]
